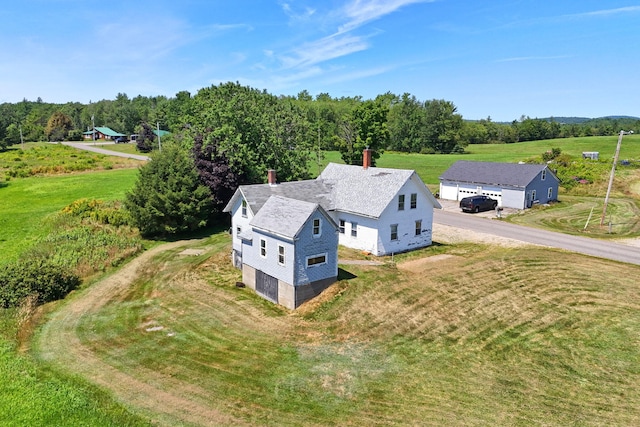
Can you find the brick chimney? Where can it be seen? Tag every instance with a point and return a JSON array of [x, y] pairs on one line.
[[271, 177], [366, 158]]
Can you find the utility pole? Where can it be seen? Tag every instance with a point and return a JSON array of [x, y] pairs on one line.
[[613, 171], [21, 139], [93, 125]]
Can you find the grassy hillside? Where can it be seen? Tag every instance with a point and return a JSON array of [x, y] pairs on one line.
[[431, 166], [26, 202], [534, 337]]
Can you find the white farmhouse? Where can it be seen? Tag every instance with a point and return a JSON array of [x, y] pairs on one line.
[[377, 210]]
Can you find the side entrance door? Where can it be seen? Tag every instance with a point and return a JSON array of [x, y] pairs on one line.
[[267, 286]]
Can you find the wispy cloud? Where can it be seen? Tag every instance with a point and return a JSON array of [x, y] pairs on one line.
[[360, 12], [304, 15], [343, 41], [324, 49], [607, 12]]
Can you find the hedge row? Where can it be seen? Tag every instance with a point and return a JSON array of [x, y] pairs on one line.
[[39, 277]]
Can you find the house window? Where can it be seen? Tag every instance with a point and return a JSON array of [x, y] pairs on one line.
[[401, 202], [238, 231], [316, 227], [317, 260], [550, 193], [418, 227], [544, 174], [280, 254], [533, 195], [341, 224], [263, 248], [244, 208], [414, 200], [394, 231], [354, 229]]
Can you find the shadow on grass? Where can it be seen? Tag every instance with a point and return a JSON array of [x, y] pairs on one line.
[[345, 275], [202, 233]]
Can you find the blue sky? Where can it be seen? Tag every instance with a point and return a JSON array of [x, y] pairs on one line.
[[496, 58]]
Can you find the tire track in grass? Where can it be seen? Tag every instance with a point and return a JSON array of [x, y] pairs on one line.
[[160, 397]]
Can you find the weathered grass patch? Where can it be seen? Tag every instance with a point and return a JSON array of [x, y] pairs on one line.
[[534, 337]]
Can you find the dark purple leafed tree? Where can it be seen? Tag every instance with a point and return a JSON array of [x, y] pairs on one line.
[[214, 171]]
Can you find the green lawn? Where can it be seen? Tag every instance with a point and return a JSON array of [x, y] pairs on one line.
[[431, 166], [26, 202], [535, 337], [390, 348]]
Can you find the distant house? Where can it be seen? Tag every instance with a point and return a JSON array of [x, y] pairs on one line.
[[102, 133], [593, 155], [513, 185], [377, 210]]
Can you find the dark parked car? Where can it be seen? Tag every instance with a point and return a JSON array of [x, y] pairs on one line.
[[477, 203], [121, 140]]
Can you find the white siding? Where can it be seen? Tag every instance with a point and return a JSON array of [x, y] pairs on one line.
[[367, 238], [406, 220], [269, 264], [237, 220]]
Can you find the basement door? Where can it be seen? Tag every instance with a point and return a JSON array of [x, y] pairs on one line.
[[267, 286]]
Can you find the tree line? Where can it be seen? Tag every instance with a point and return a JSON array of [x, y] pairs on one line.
[[227, 135], [388, 122]]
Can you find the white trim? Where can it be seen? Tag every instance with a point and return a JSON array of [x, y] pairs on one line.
[[393, 230], [313, 225], [317, 256], [263, 248], [281, 255]]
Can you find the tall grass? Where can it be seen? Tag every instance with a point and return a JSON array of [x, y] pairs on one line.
[[25, 203]]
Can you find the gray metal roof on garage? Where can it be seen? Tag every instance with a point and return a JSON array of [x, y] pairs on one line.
[[493, 173]]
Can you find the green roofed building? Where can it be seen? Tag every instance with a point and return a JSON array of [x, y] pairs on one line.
[[102, 132], [161, 133]]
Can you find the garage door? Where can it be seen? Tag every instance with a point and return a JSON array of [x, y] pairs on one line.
[[267, 286]]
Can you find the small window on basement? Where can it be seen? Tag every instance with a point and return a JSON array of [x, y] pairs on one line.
[[317, 260], [550, 193]]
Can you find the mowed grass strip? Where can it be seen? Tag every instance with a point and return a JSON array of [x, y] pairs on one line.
[[487, 336]]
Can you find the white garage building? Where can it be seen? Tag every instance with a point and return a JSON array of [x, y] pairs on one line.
[[513, 185]]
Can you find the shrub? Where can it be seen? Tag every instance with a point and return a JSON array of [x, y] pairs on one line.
[[110, 213], [34, 277]]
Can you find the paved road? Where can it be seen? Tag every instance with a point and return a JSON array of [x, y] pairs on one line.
[[97, 149], [584, 245]]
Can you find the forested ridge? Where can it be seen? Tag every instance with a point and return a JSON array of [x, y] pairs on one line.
[[389, 122]]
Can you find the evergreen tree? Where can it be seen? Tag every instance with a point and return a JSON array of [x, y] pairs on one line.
[[168, 197]]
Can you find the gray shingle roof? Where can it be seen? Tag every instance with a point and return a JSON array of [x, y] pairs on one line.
[[364, 191], [492, 173], [283, 216], [345, 188], [256, 195]]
